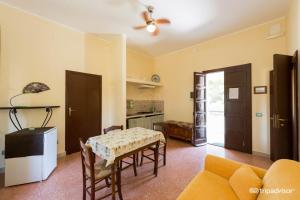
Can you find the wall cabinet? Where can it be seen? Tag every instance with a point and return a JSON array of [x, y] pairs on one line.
[[144, 122]]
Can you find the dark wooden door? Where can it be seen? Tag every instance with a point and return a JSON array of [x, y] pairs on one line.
[[272, 127], [83, 108], [281, 104], [238, 108], [295, 106], [199, 131]]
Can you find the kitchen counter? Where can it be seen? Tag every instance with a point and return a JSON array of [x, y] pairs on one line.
[[143, 115]]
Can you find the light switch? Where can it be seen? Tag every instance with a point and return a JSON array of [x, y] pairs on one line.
[[258, 114]]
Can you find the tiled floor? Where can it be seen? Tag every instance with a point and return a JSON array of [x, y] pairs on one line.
[[183, 163]]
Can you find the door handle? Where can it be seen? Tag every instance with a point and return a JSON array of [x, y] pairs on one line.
[[70, 111], [279, 122], [283, 120]]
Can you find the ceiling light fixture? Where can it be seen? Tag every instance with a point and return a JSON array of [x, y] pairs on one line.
[[151, 24], [151, 28]]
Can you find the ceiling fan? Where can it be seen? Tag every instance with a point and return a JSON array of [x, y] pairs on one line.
[[151, 24]]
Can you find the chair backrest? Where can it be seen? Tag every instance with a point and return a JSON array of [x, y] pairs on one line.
[[87, 159], [106, 130], [162, 127]]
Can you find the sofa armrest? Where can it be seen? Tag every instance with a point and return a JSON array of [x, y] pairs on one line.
[[225, 168]]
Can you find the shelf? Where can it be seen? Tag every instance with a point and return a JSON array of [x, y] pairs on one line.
[[14, 118], [27, 107], [143, 84]]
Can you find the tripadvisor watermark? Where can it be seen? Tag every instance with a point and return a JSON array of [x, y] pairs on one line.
[[271, 190]]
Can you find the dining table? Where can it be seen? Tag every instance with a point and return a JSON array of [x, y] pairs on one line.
[[119, 144]]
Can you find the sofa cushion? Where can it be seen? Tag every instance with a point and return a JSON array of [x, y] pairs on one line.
[[243, 180], [208, 186], [282, 181], [225, 168]]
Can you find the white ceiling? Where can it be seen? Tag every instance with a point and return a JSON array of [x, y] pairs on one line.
[[193, 21]]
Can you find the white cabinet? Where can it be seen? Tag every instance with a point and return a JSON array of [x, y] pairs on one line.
[[145, 122], [136, 122], [148, 122], [30, 155], [50, 152]]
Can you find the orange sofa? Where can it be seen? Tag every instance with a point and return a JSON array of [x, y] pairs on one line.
[[213, 183]]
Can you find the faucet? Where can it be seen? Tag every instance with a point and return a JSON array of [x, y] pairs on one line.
[[153, 108]]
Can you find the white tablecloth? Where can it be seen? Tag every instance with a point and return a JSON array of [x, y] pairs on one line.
[[117, 143]]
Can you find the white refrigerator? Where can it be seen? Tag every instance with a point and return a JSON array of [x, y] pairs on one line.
[[36, 159]]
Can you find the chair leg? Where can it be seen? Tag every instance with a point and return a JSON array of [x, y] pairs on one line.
[[107, 182], [137, 158], [121, 164], [165, 154], [93, 190], [156, 155], [134, 165], [142, 158], [83, 189]]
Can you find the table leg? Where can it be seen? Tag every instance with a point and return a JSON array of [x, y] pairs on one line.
[[113, 181], [119, 170], [156, 158]]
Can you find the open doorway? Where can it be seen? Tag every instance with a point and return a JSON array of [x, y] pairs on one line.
[[223, 112], [215, 108]]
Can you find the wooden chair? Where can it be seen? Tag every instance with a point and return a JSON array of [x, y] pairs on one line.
[[94, 173], [132, 157], [162, 151]]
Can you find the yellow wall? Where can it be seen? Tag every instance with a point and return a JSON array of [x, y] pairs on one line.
[[139, 66], [247, 46], [105, 55], [34, 49], [293, 27], [293, 37]]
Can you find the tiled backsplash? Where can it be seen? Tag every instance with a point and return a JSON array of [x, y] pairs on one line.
[[135, 106]]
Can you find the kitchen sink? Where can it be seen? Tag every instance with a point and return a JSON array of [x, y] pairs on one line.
[[144, 112]]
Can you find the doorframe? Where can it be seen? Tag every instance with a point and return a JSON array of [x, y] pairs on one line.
[[67, 128], [215, 70]]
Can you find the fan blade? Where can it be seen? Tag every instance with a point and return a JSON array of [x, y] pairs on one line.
[[139, 27], [156, 32], [146, 16], [162, 21]]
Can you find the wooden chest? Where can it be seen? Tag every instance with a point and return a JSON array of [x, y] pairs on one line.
[[179, 130]]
